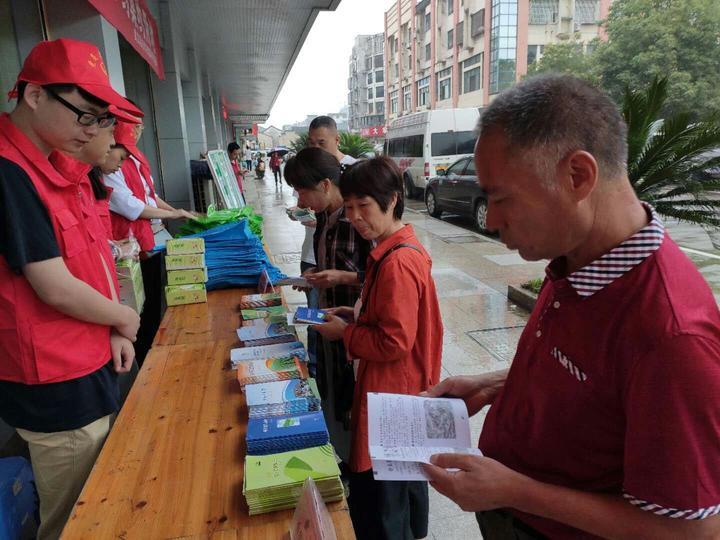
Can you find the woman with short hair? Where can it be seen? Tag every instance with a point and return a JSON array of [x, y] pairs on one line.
[[393, 336]]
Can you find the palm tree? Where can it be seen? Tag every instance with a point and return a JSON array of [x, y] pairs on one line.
[[673, 163], [299, 143], [354, 145]]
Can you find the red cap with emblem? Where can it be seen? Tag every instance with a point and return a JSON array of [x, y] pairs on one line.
[[68, 61]]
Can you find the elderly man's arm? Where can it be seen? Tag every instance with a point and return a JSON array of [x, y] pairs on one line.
[[485, 484]]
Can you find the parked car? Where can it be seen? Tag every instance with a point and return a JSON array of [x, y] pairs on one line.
[[457, 190], [425, 143]]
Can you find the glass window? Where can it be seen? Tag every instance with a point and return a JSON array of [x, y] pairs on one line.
[[534, 53], [370, 93], [407, 98], [586, 11], [379, 91], [477, 23], [397, 71], [470, 169], [457, 167], [442, 144], [444, 85], [450, 39], [379, 76], [472, 80], [370, 108], [450, 6], [503, 41], [544, 11], [394, 102], [459, 32], [427, 20], [423, 91], [378, 61], [380, 107], [475, 59], [369, 78], [368, 64], [428, 52], [465, 141], [452, 143]]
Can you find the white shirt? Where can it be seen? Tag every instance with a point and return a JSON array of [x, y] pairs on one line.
[[122, 200]]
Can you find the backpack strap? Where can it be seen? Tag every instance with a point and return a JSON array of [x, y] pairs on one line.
[[376, 271]]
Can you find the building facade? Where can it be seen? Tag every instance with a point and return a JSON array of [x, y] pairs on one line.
[[366, 83], [462, 53]]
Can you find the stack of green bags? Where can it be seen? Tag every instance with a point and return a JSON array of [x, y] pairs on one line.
[[274, 482], [216, 217]]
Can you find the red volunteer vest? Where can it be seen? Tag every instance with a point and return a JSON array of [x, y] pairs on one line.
[[38, 344], [141, 229]]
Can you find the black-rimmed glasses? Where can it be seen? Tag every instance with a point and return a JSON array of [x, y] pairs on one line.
[[85, 118]]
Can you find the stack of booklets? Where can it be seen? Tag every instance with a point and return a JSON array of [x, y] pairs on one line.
[[263, 312], [265, 352], [274, 482], [255, 301], [130, 280], [282, 398], [270, 370], [285, 433], [265, 332], [186, 271]]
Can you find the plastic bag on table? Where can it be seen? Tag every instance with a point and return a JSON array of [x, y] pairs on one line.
[[217, 217], [311, 520], [125, 249]]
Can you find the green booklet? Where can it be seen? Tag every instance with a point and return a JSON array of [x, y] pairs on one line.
[[289, 468], [261, 313]]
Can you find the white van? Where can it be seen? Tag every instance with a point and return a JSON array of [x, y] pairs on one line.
[[426, 142]]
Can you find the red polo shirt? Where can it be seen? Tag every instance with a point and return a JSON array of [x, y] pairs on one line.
[[615, 386]]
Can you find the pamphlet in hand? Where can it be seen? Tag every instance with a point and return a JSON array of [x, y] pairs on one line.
[[407, 430], [303, 215], [295, 282], [304, 315]]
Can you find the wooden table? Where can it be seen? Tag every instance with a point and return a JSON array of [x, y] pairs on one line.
[[172, 466]]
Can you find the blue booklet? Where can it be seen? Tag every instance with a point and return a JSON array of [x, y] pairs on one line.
[[284, 433], [305, 315]]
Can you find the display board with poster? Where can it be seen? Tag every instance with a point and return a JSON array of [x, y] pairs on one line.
[[225, 179]]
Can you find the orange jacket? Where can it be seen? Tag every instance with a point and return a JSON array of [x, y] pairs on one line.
[[398, 338]]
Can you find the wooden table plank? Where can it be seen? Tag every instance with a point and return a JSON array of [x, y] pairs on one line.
[[172, 466]]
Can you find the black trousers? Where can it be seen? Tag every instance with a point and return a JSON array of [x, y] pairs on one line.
[[278, 174], [382, 510], [501, 525], [152, 310]]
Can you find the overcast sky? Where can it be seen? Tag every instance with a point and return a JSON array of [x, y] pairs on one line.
[[317, 83]]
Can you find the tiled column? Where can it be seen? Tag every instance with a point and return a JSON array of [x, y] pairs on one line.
[[172, 134]]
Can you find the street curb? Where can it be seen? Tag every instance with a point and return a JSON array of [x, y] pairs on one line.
[[523, 298]]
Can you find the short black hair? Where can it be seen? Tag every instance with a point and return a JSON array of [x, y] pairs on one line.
[[61, 88], [232, 147], [323, 122], [378, 178], [556, 114], [310, 167]]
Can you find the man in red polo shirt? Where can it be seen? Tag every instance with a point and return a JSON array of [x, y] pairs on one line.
[[607, 423], [63, 338]]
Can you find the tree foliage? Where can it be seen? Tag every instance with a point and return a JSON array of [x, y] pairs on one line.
[[679, 39], [299, 143], [568, 57], [672, 162], [354, 144]]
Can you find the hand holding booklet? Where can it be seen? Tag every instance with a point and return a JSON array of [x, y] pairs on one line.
[[405, 431]]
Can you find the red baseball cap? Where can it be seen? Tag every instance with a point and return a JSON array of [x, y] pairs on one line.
[[68, 61], [123, 115]]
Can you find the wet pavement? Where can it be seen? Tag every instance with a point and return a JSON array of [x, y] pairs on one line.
[[472, 273]]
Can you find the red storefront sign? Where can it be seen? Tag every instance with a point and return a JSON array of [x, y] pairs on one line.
[[134, 21], [373, 131]]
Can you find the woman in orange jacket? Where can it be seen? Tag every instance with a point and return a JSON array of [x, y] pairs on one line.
[[393, 336]]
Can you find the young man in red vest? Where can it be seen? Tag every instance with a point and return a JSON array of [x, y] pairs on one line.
[[63, 338], [135, 208]]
